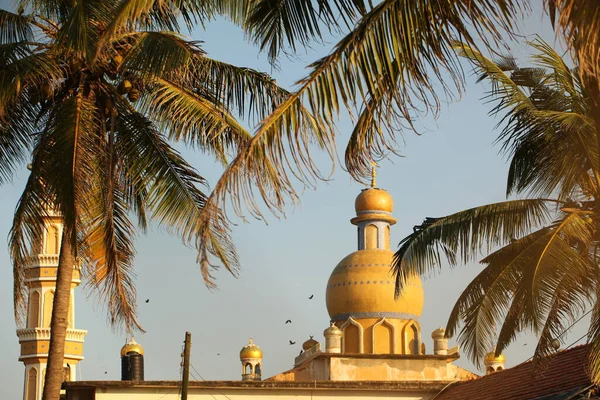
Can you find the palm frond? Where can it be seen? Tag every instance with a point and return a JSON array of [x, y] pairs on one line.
[[197, 120], [550, 138], [17, 136], [274, 24], [109, 237], [579, 24], [158, 53], [26, 232], [251, 93], [15, 27], [170, 188], [537, 283], [463, 235], [487, 298]]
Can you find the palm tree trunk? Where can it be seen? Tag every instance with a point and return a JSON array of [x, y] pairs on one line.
[[58, 324]]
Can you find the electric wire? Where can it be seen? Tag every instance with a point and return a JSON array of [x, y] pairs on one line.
[[565, 331], [201, 378]]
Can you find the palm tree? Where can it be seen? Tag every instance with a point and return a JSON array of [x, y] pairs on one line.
[[543, 271], [95, 91], [395, 62]]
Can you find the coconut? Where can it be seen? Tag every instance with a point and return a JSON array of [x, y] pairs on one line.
[[134, 95], [124, 87]]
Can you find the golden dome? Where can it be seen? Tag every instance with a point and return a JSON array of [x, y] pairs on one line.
[[309, 344], [374, 199], [250, 351], [490, 358], [362, 286], [132, 347]]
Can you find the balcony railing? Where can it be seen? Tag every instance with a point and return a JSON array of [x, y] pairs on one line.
[[29, 334]]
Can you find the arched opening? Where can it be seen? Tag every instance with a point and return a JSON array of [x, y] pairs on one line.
[[32, 384], [411, 336], [499, 368], [371, 237], [248, 369], [383, 337], [414, 343], [48, 303], [352, 339], [33, 316], [257, 370], [490, 370]]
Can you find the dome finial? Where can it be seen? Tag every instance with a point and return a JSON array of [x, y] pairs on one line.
[[373, 174]]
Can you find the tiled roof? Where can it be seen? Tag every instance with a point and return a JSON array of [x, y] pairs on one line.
[[560, 375]]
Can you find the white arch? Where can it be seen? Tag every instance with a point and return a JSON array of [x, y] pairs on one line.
[[385, 322], [412, 324], [351, 321]]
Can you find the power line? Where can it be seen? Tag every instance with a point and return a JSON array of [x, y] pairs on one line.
[[201, 378], [566, 330]]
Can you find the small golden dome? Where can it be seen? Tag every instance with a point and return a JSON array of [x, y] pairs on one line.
[[132, 347], [333, 330], [250, 351], [363, 286], [490, 358], [309, 344], [374, 199]]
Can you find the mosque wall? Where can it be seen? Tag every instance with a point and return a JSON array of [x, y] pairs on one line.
[[375, 369], [245, 394]]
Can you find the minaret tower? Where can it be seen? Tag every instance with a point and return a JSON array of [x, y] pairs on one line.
[[40, 277], [360, 292]]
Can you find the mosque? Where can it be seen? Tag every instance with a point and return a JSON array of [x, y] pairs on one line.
[[373, 346]]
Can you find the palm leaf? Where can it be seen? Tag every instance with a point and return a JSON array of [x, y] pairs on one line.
[[15, 27], [463, 235], [274, 24]]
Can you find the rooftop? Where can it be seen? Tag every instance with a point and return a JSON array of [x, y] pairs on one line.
[[558, 377]]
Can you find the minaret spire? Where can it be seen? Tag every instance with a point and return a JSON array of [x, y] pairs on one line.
[[373, 174]]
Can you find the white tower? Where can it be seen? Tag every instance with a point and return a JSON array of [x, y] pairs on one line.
[[40, 277]]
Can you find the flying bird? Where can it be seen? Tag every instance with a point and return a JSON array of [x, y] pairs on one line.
[[289, 321], [218, 354], [147, 300], [105, 372], [311, 296], [292, 343]]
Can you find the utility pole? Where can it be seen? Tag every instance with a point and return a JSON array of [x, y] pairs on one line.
[[186, 365]]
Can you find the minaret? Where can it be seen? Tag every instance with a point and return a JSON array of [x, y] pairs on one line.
[[493, 363], [374, 217], [40, 277], [360, 291], [251, 357]]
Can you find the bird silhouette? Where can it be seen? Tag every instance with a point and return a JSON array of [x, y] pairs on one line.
[[311, 296], [292, 343], [147, 300], [105, 372], [289, 321], [218, 354]]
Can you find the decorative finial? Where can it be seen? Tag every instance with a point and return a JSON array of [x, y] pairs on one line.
[[250, 341], [373, 174]]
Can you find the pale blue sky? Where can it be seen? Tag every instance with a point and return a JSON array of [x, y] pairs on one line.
[[452, 167]]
